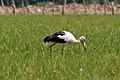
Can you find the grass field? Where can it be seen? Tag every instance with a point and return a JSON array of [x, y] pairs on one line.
[[23, 55]]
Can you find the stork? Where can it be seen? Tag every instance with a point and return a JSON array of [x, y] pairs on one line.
[[64, 37]]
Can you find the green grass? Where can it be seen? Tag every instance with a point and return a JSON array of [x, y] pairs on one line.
[[23, 55]]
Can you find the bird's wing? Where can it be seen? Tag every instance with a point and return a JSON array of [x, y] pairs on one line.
[[63, 38], [59, 33], [56, 37]]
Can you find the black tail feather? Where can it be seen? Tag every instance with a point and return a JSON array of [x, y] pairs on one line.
[[47, 39]]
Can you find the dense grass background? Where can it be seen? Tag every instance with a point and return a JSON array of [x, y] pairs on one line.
[[23, 56]]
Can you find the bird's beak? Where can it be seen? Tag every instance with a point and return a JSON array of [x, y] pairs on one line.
[[84, 45]]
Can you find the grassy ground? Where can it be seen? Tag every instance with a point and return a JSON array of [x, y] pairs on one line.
[[23, 56]]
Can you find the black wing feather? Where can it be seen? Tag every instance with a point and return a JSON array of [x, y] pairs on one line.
[[59, 33], [54, 38]]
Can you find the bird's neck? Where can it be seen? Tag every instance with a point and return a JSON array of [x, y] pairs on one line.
[[76, 41]]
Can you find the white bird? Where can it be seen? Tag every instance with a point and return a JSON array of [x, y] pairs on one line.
[[64, 37]]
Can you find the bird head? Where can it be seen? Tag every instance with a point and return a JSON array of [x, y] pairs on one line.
[[83, 40]]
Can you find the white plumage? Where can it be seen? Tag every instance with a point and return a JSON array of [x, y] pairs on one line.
[[64, 37]]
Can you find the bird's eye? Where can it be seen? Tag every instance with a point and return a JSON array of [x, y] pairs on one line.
[[84, 40]]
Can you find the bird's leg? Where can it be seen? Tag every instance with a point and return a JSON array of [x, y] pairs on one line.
[[51, 46], [62, 48]]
